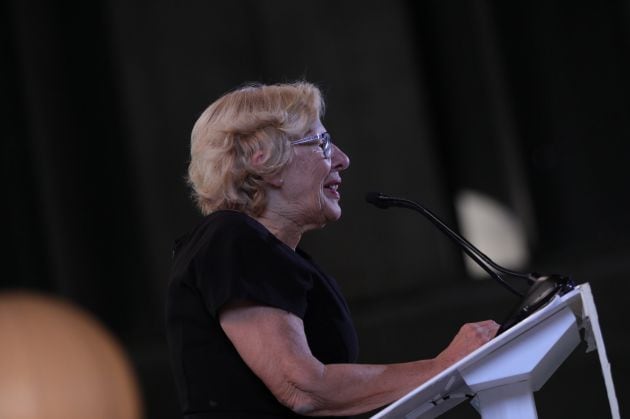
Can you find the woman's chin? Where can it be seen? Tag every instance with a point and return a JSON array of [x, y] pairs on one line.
[[333, 212], [329, 210]]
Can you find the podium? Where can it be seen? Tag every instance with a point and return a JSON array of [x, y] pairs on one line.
[[500, 378]]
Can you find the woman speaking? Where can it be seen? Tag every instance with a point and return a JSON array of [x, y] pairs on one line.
[[256, 328]]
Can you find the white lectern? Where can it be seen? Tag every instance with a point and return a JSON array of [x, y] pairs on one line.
[[500, 377]]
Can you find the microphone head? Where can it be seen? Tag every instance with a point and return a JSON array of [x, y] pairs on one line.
[[377, 199]]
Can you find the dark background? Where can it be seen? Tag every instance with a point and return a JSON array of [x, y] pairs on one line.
[[525, 102]]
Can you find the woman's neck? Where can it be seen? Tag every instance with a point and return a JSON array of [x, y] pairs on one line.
[[283, 226]]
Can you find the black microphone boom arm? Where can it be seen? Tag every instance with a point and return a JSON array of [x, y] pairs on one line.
[[542, 287]]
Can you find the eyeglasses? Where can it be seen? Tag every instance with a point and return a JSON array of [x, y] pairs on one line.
[[325, 142]]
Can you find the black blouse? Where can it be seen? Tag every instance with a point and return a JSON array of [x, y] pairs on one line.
[[231, 256]]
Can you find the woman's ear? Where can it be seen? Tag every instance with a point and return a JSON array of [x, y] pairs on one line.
[[258, 158], [275, 180]]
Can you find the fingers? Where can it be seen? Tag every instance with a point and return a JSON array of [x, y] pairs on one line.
[[479, 332], [470, 337], [487, 329]]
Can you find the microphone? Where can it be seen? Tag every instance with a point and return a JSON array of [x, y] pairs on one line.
[[378, 199], [542, 287]]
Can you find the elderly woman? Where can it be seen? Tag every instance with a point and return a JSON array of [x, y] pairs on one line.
[[256, 328]]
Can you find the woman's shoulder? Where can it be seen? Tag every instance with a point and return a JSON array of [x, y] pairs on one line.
[[221, 227], [231, 223], [213, 236]]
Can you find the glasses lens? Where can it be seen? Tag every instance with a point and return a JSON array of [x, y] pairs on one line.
[[327, 145]]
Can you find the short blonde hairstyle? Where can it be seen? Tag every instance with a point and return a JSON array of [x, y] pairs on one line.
[[241, 123]]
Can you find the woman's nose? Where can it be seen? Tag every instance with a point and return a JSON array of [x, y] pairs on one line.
[[340, 160]]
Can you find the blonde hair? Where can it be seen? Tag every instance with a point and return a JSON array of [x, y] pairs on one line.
[[251, 119]]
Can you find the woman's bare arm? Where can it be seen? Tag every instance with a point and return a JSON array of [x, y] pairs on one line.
[[273, 344]]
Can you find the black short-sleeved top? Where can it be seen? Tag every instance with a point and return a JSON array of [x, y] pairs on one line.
[[231, 256]]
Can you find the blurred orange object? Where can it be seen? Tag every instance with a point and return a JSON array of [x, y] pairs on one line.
[[57, 362]]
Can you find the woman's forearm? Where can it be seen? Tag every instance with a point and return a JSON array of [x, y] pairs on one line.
[[348, 389]]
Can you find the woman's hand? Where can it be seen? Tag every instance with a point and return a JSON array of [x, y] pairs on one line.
[[470, 337]]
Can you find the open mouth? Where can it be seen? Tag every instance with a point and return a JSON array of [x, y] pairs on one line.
[[332, 187]]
